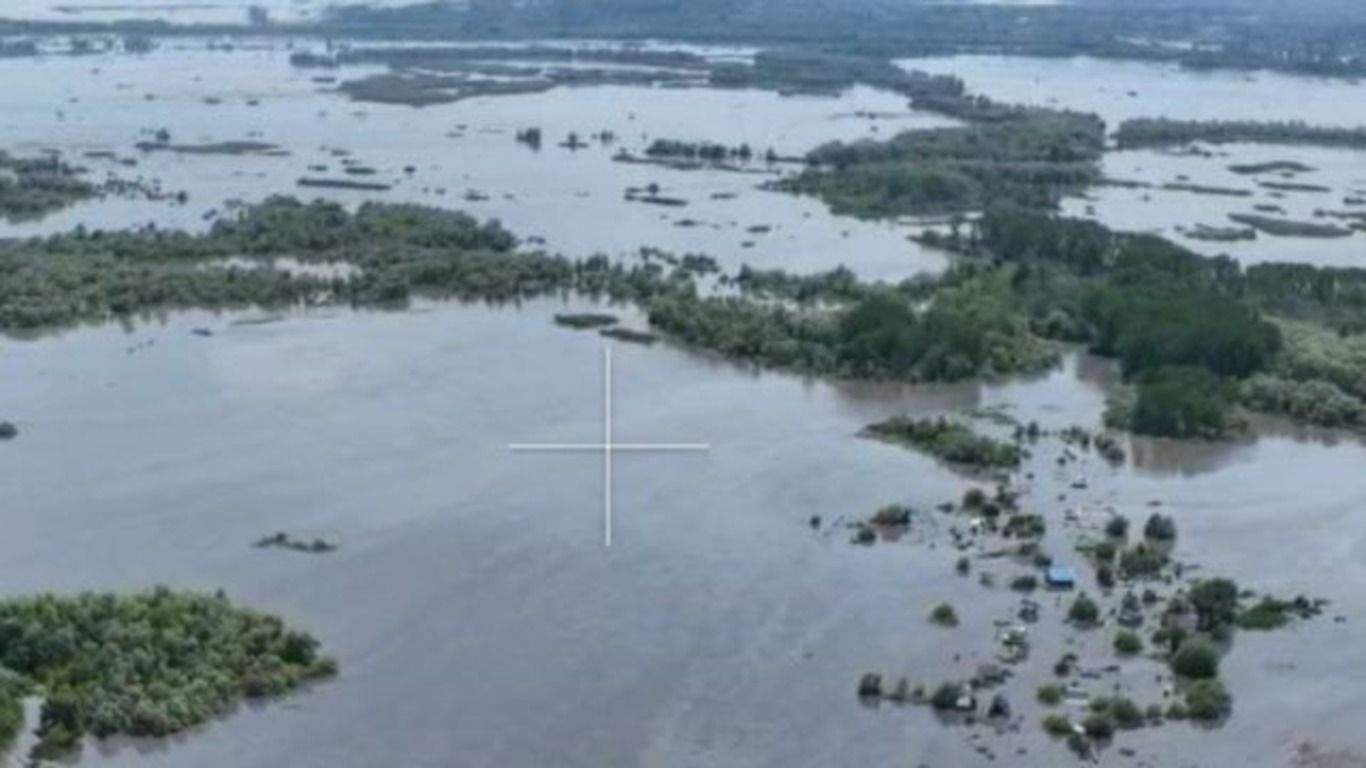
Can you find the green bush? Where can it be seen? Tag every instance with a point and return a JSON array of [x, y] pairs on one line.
[[1024, 583], [1103, 551], [1049, 695], [1142, 561], [1117, 527], [1084, 611], [1126, 713], [1063, 666], [1024, 526], [1196, 659], [1159, 528], [1215, 602], [1207, 700], [1273, 613], [944, 615], [1098, 726], [1057, 725], [1128, 643], [892, 515], [945, 697]]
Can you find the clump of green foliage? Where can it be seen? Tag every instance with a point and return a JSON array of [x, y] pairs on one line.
[[1031, 158], [1142, 561], [1182, 402], [1024, 526], [1273, 613], [892, 515], [1128, 643], [1099, 726], [1083, 611], [947, 440], [945, 697], [1057, 725], [1119, 711], [1160, 528], [1196, 659], [13, 687], [967, 330], [30, 188], [1049, 695], [1215, 602], [1207, 700], [944, 615], [1117, 527], [150, 664]]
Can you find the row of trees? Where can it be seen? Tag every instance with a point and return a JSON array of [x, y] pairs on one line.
[[1152, 132]]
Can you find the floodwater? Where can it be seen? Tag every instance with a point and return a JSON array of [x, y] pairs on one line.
[[461, 155], [1339, 173], [1121, 90], [477, 615], [172, 11]]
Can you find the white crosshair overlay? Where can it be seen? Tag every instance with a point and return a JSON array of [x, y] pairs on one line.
[[607, 447]]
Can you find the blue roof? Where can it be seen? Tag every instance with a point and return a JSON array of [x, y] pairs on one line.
[[1061, 574]]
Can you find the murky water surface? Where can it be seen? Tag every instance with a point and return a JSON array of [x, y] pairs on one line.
[[477, 616]]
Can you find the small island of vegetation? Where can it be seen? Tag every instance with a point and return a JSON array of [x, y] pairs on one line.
[[150, 664], [282, 540], [947, 440], [32, 187], [1025, 157]]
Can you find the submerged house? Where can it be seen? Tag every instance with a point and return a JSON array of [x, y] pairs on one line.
[[1060, 577]]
